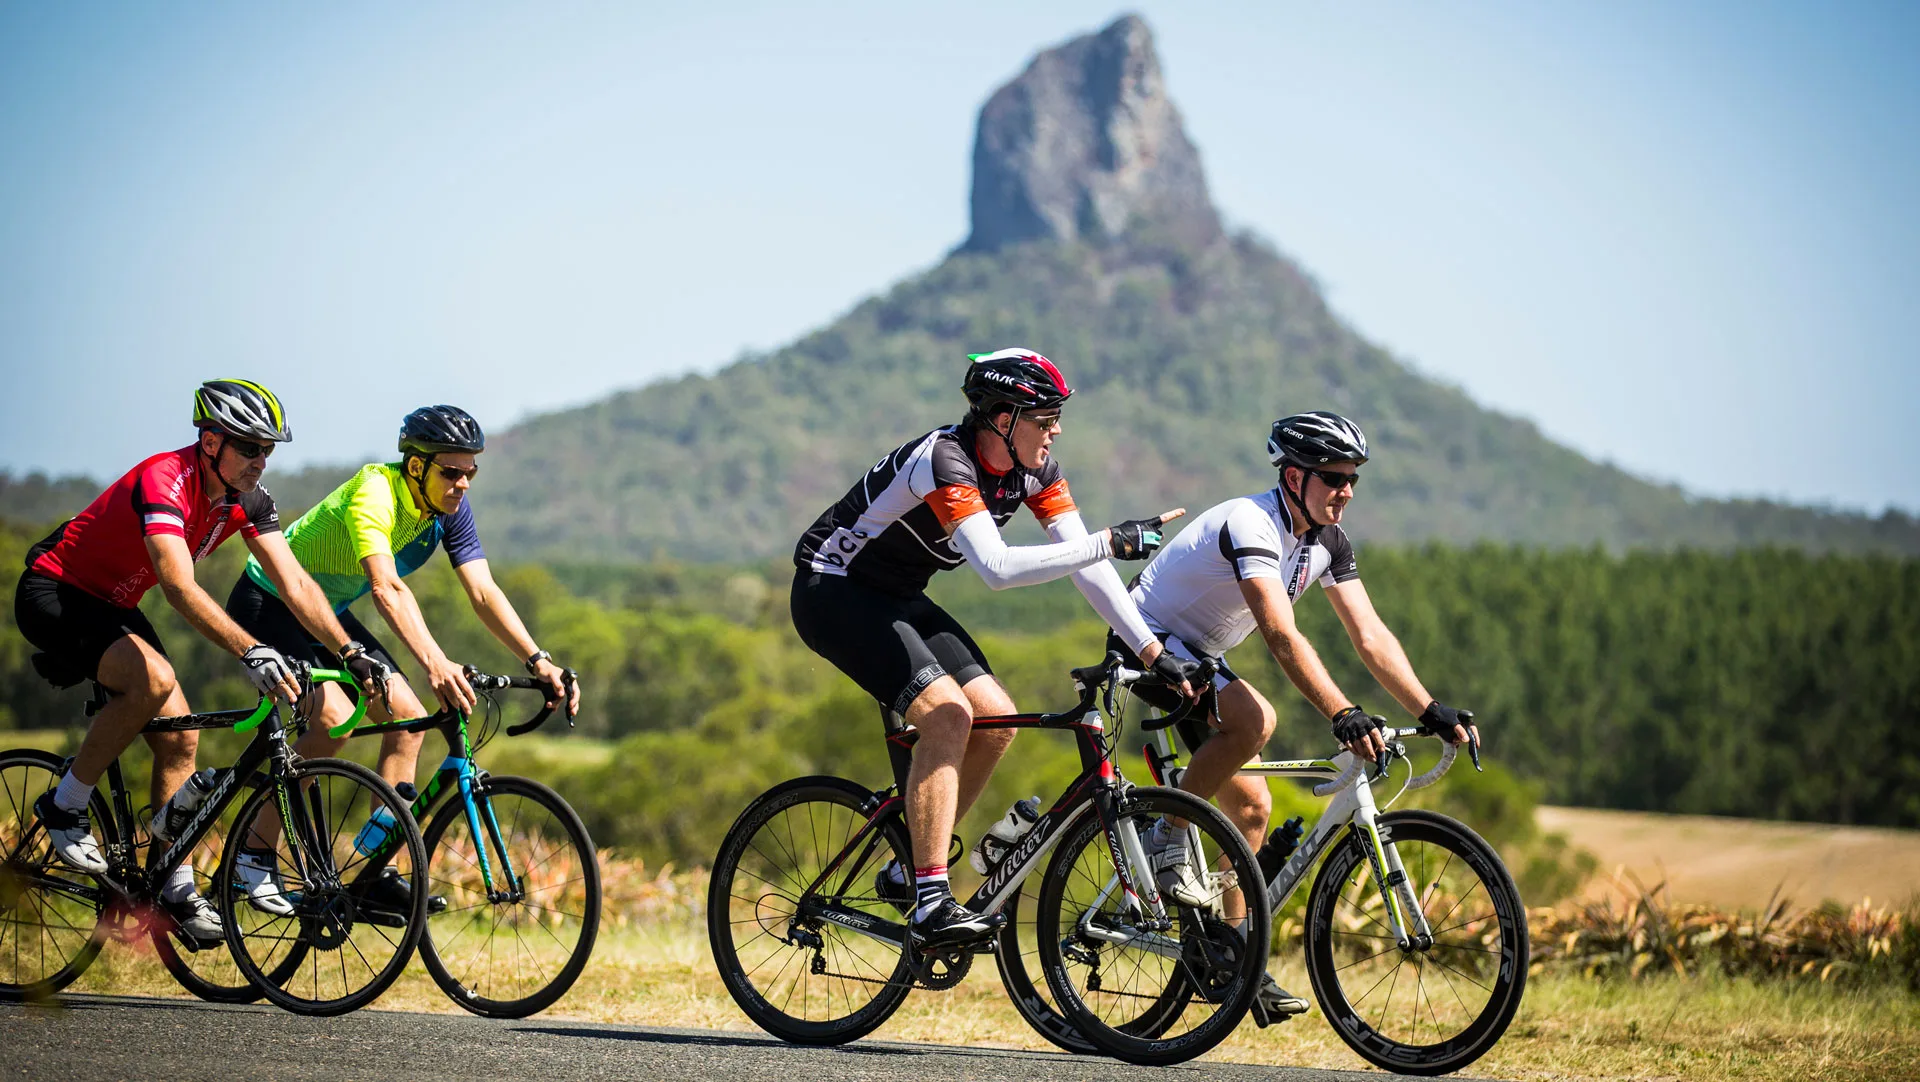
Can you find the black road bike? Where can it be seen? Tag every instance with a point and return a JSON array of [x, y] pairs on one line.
[[813, 954], [340, 948], [512, 877]]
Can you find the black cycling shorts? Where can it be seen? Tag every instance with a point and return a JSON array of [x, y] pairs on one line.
[[893, 647], [73, 627], [268, 619], [1193, 729]]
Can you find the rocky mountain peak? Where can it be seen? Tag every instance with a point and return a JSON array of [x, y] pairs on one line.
[[1085, 145]]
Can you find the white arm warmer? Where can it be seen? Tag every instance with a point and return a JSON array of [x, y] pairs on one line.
[[1100, 585], [978, 539]]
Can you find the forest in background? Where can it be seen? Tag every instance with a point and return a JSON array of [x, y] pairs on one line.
[[1762, 683]]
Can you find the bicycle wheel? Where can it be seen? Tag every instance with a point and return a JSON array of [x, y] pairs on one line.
[[355, 919], [52, 922], [1430, 1011], [1018, 957], [208, 971], [508, 953], [1143, 991], [789, 957]]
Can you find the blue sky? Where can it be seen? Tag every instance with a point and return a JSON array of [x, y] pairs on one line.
[[1676, 235]]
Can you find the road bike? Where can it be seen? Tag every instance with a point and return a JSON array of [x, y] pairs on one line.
[[1415, 935], [812, 952], [513, 879], [343, 950]]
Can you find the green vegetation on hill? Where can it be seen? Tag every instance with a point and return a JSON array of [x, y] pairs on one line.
[[1180, 360]]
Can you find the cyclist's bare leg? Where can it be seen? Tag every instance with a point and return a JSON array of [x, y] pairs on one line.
[[399, 752], [1246, 724], [143, 684], [984, 748], [944, 716]]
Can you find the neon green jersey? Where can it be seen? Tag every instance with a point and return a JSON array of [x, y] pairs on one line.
[[373, 513]]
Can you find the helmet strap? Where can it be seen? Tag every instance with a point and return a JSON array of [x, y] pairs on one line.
[[213, 461], [1299, 499], [420, 483]]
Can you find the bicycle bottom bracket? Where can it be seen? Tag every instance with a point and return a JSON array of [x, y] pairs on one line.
[[1210, 957]]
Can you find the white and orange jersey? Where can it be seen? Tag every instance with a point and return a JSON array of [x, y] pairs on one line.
[[892, 529]]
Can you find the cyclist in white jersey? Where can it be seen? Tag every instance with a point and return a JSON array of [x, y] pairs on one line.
[[1241, 566]]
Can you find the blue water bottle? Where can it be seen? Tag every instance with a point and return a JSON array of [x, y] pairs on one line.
[[375, 833]]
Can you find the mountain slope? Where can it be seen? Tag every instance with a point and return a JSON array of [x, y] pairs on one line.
[[1180, 360]]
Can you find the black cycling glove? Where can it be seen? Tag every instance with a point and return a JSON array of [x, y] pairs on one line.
[[1353, 723], [1174, 669], [1440, 720], [1135, 539], [368, 671]]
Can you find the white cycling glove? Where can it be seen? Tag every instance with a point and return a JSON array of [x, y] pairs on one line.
[[267, 668]]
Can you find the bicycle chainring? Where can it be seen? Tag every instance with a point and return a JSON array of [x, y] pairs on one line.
[[1210, 955], [940, 970]]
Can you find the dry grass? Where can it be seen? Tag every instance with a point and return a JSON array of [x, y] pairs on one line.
[[1742, 863], [652, 967]]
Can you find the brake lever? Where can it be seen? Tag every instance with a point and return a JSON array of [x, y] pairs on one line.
[[1385, 762], [567, 680], [1473, 741]]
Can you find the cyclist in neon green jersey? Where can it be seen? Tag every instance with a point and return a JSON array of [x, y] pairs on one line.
[[365, 538]]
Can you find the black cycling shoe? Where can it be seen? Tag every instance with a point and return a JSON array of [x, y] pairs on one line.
[[953, 925], [897, 893], [1274, 1004], [390, 896]]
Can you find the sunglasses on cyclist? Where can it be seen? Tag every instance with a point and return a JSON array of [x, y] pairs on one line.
[[1333, 479], [249, 449], [455, 473], [1042, 421]]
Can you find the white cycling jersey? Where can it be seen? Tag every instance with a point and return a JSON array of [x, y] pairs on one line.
[[1192, 588]]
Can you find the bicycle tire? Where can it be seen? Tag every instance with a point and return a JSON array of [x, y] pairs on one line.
[[1218, 966], [332, 903], [1338, 926], [30, 981], [211, 973], [1017, 955], [456, 876], [797, 846]]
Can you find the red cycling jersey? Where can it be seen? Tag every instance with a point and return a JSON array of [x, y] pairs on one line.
[[103, 549]]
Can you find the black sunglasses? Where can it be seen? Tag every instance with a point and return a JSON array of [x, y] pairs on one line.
[[455, 473], [249, 449], [1333, 479]]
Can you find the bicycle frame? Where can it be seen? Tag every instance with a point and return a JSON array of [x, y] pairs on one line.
[[1352, 809], [1095, 787]]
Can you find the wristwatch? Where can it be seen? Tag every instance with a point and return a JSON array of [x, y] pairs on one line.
[[533, 663]]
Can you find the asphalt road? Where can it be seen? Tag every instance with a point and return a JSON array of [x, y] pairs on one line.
[[113, 1038]]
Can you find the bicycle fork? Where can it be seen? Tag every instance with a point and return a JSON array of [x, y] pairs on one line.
[[1404, 913]]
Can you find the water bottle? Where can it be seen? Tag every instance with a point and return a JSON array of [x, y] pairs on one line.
[[380, 825], [1280, 845], [1004, 834], [179, 808]]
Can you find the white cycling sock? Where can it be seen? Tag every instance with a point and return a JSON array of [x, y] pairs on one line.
[[930, 888], [72, 796], [179, 884]]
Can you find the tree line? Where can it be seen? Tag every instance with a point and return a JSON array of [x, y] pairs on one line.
[[1761, 683]]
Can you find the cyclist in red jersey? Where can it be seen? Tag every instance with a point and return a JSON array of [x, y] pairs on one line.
[[78, 601]]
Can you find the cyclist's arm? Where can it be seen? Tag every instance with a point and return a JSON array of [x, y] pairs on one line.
[[401, 611], [1100, 585], [303, 595], [1266, 598], [490, 604], [1002, 566], [1377, 646], [173, 566]]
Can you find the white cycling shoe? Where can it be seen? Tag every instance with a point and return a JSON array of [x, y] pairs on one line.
[[71, 834], [259, 884], [1173, 869], [196, 918]]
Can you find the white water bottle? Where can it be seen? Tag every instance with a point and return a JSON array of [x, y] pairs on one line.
[[178, 811], [1004, 834]]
